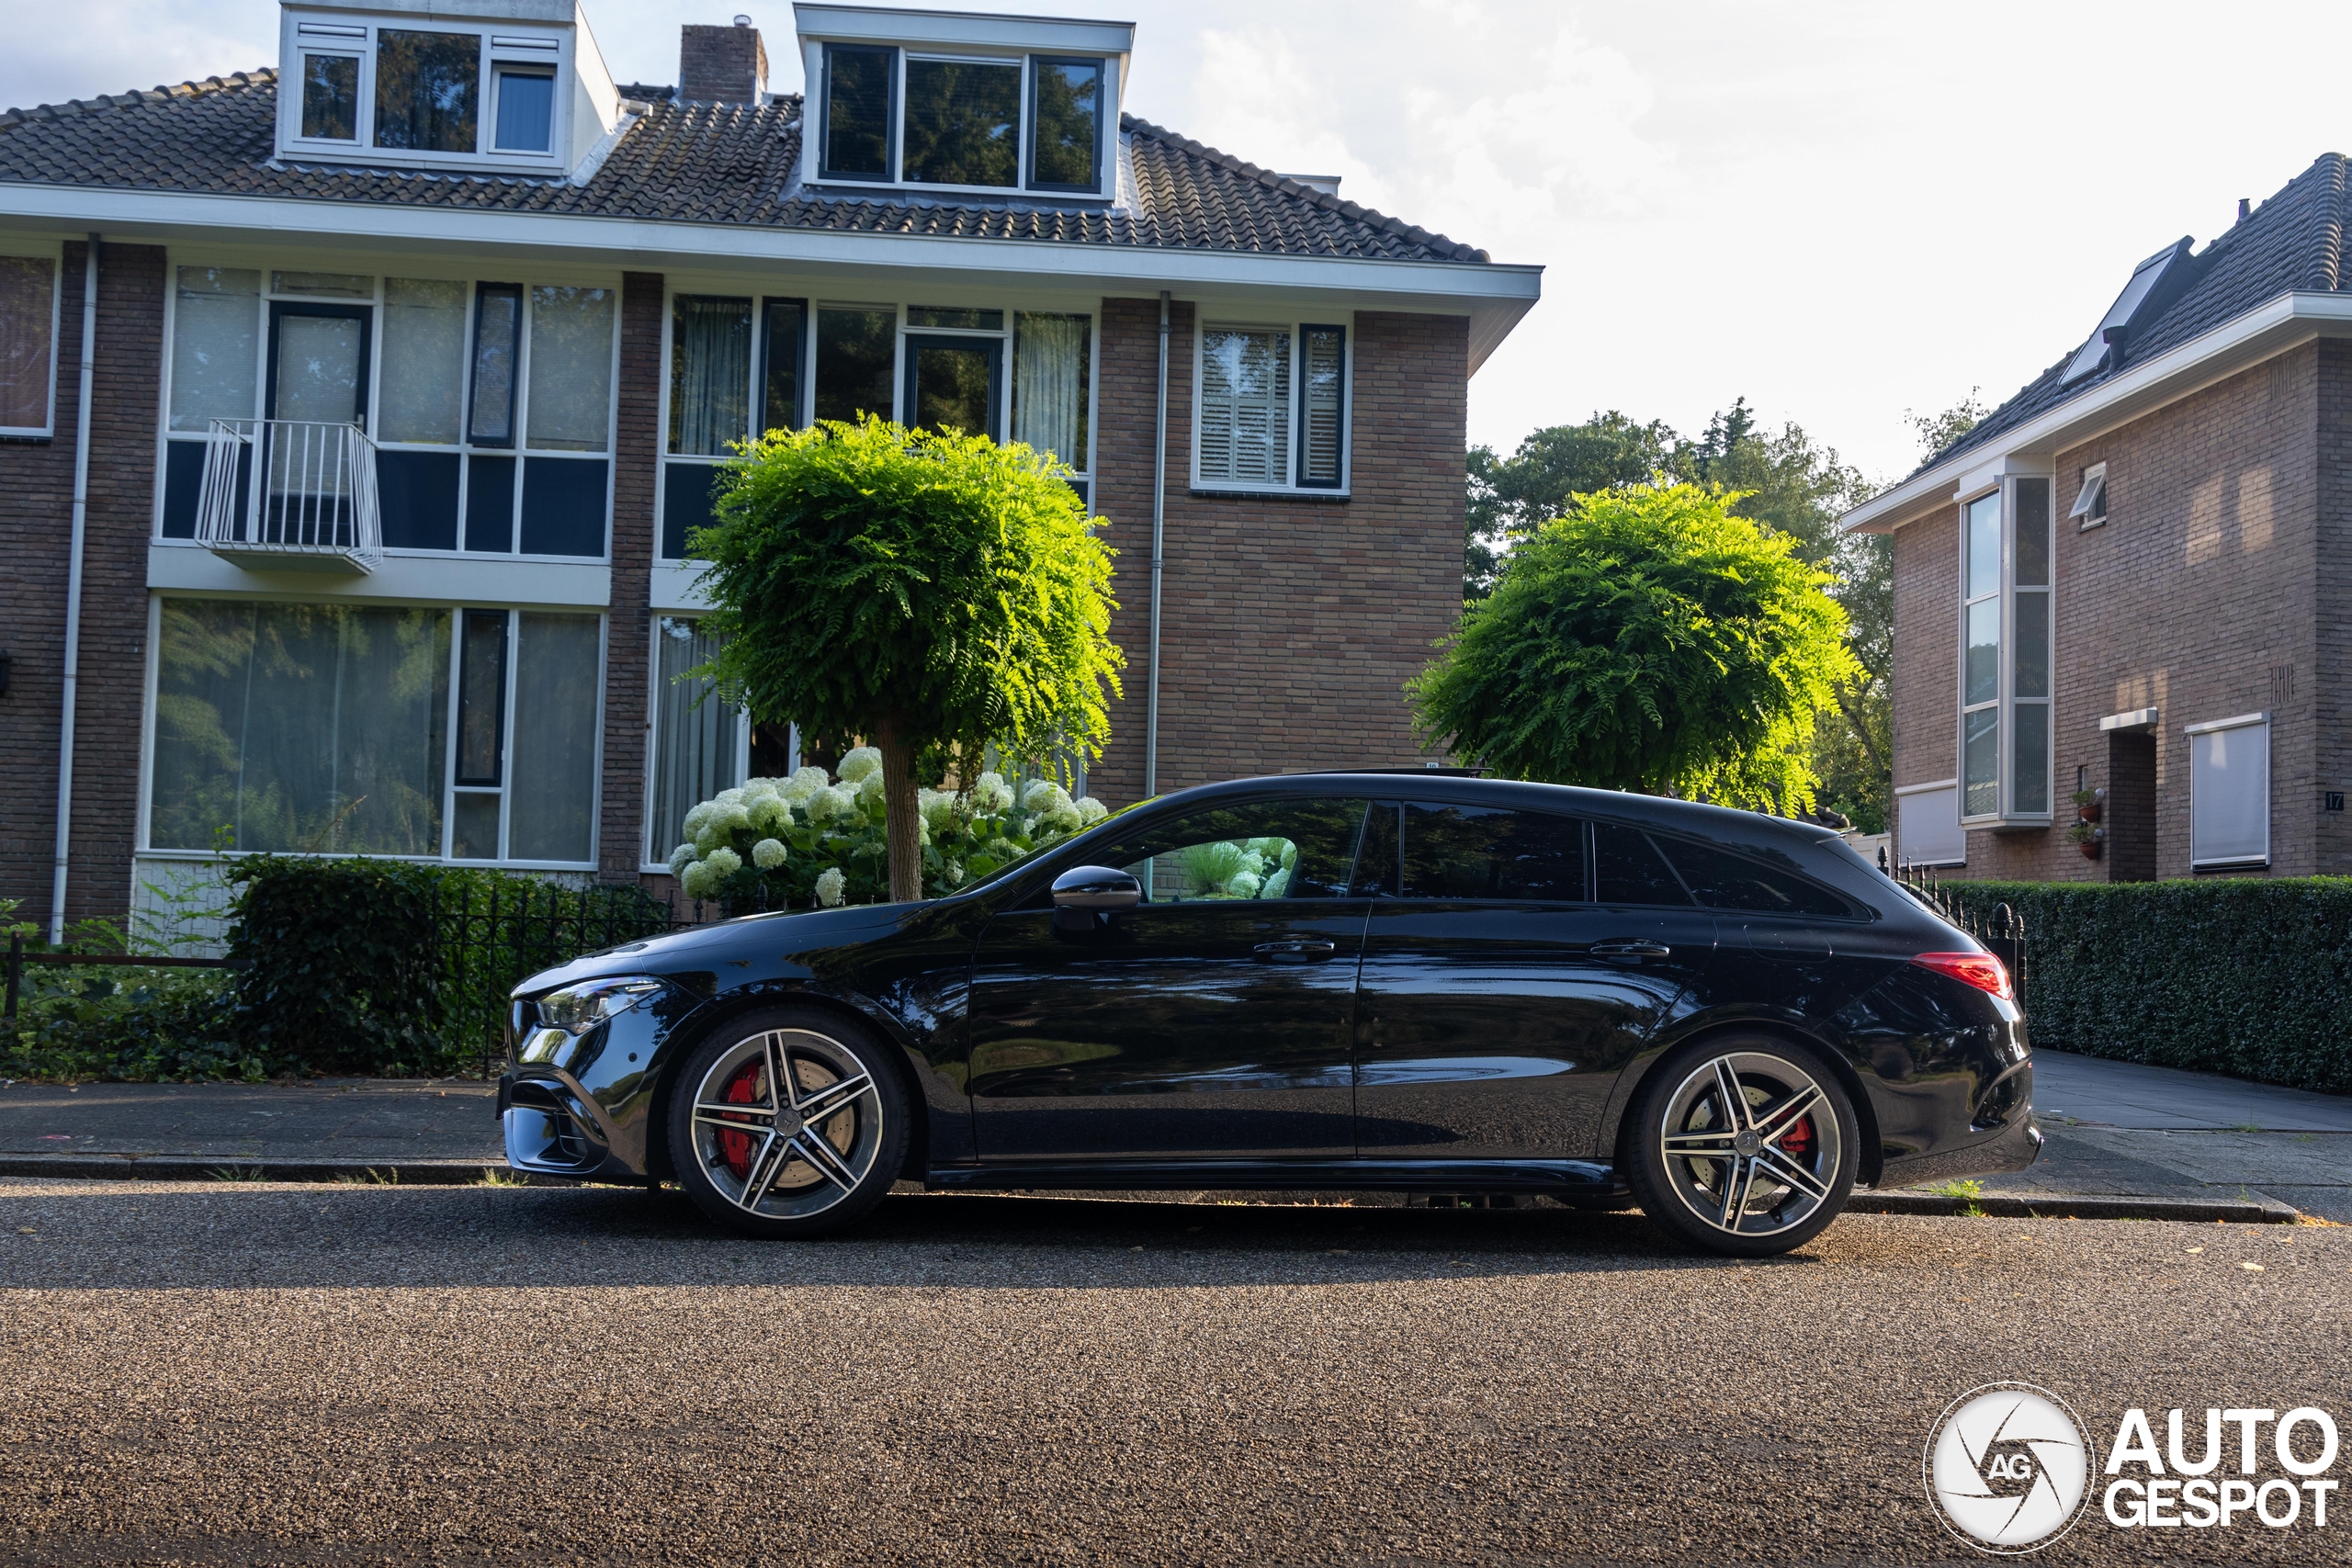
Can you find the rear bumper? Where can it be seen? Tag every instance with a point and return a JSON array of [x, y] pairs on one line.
[[2011, 1147]]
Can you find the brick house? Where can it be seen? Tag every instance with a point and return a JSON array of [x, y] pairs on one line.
[[2131, 580], [410, 363]]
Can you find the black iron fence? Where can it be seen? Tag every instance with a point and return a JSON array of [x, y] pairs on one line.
[[493, 932], [2001, 928]]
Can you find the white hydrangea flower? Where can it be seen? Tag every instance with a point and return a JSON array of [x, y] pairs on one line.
[[680, 858], [804, 783], [1275, 886], [694, 881], [831, 805], [712, 834], [861, 764], [937, 807], [991, 795], [734, 814], [755, 788], [828, 887], [1090, 810], [870, 790], [1290, 854], [1244, 886], [722, 863], [954, 874], [770, 813], [767, 854], [696, 818], [728, 797]]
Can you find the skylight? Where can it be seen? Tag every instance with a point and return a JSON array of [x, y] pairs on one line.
[[2139, 304]]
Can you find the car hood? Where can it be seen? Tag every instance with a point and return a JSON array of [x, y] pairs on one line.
[[693, 957]]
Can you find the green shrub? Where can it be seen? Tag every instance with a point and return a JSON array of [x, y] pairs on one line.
[[2245, 976]]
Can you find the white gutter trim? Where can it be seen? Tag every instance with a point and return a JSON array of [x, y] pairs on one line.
[[2120, 400], [630, 240], [81, 527]]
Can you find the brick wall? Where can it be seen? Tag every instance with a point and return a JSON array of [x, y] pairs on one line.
[[2198, 597], [1288, 627], [36, 519], [628, 632]]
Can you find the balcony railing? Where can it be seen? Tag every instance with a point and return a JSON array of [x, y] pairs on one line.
[[290, 495]]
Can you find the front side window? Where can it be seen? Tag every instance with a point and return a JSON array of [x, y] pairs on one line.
[[1066, 124], [428, 88], [963, 123], [330, 97], [28, 343], [1245, 406], [1283, 849], [2004, 664], [860, 93]]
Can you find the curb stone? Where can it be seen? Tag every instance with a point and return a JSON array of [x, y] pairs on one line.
[[2073, 1206]]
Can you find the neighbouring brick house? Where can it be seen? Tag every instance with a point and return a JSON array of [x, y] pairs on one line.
[[414, 358], [2136, 577]]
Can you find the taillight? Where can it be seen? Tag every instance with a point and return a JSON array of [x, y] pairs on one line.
[[1981, 970]]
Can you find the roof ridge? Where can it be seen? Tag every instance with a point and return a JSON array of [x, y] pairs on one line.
[[1292, 188], [2327, 266], [265, 75]]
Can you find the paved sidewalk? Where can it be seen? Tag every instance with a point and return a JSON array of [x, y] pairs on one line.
[[2116, 1130]]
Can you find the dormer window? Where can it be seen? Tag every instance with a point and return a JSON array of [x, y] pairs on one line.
[[422, 97], [949, 102]]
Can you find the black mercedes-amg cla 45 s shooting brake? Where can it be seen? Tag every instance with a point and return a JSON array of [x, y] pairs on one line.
[[1392, 983]]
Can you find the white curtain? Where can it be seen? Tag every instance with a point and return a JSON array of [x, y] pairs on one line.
[[1245, 405], [302, 728], [694, 748], [216, 323], [710, 375], [27, 311], [1049, 364], [424, 377], [571, 368], [557, 674]]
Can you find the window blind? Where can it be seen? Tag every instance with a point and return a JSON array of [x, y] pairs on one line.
[[1245, 405]]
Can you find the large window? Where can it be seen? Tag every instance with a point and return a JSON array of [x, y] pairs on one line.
[[2229, 792], [699, 744], [306, 728], [2004, 656], [1270, 408], [986, 122], [736, 368], [426, 95], [28, 307], [492, 405]]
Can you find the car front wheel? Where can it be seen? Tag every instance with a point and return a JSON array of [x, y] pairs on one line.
[[787, 1122], [1742, 1146]]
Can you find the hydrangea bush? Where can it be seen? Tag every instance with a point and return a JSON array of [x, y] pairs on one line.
[[815, 841]]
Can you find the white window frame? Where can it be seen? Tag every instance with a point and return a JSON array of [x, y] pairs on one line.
[[355, 33], [55, 256], [2006, 700], [2259, 722], [271, 265], [1203, 324], [143, 846], [2089, 510], [1106, 134]]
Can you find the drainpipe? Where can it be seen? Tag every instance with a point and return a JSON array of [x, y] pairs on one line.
[[74, 592], [1158, 518]]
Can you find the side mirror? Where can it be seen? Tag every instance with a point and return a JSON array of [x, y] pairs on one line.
[[1096, 888]]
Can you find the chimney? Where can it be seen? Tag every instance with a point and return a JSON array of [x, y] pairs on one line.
[[721, 65], [2244, 203]]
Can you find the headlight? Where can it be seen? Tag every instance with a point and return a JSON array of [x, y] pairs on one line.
[[578, 1008]]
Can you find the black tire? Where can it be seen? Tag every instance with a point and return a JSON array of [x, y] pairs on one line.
[[811, 1164], [1783, 1174]]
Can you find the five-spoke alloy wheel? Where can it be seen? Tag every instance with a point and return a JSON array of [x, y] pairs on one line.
[[1742, 1144], [787, 1122]]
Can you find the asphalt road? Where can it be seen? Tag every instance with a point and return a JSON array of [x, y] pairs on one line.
[[233, 1372]]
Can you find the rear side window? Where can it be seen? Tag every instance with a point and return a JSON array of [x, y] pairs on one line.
[[1478, 852], [1722, 880], [1627, 868]]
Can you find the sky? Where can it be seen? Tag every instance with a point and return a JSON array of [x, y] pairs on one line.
[[1844, 212]]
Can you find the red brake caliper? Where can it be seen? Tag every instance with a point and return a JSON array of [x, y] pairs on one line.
[[1798, 1143], [735, 1148]]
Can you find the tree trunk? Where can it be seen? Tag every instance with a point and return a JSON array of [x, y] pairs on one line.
[[903, 823]]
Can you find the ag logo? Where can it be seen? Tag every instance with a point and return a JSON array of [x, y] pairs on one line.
[[2008, 1467]]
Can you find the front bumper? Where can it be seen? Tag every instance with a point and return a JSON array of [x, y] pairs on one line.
[[2011, 1147]]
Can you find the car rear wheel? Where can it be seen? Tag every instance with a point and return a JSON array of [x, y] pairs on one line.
[[1742, 1146], [787, 1122]]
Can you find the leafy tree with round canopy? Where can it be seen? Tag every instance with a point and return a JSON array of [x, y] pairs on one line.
[[1649, 641], [919, 588]]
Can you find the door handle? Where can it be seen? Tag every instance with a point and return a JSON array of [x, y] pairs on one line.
[[1629, 947], [1295, 948]]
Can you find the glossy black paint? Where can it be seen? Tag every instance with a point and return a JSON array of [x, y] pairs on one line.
[[1367, 1039]]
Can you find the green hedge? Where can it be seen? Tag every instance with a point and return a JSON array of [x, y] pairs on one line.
[[2245, 975]]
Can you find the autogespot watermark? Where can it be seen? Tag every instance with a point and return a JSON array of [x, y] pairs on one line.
[[2010, 1468]]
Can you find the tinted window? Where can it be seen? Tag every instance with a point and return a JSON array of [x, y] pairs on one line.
[[1272, 849], [1628, 869], [1725, 881], [1474, 851]]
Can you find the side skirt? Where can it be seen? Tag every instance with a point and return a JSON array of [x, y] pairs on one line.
[[1577, 1177]]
